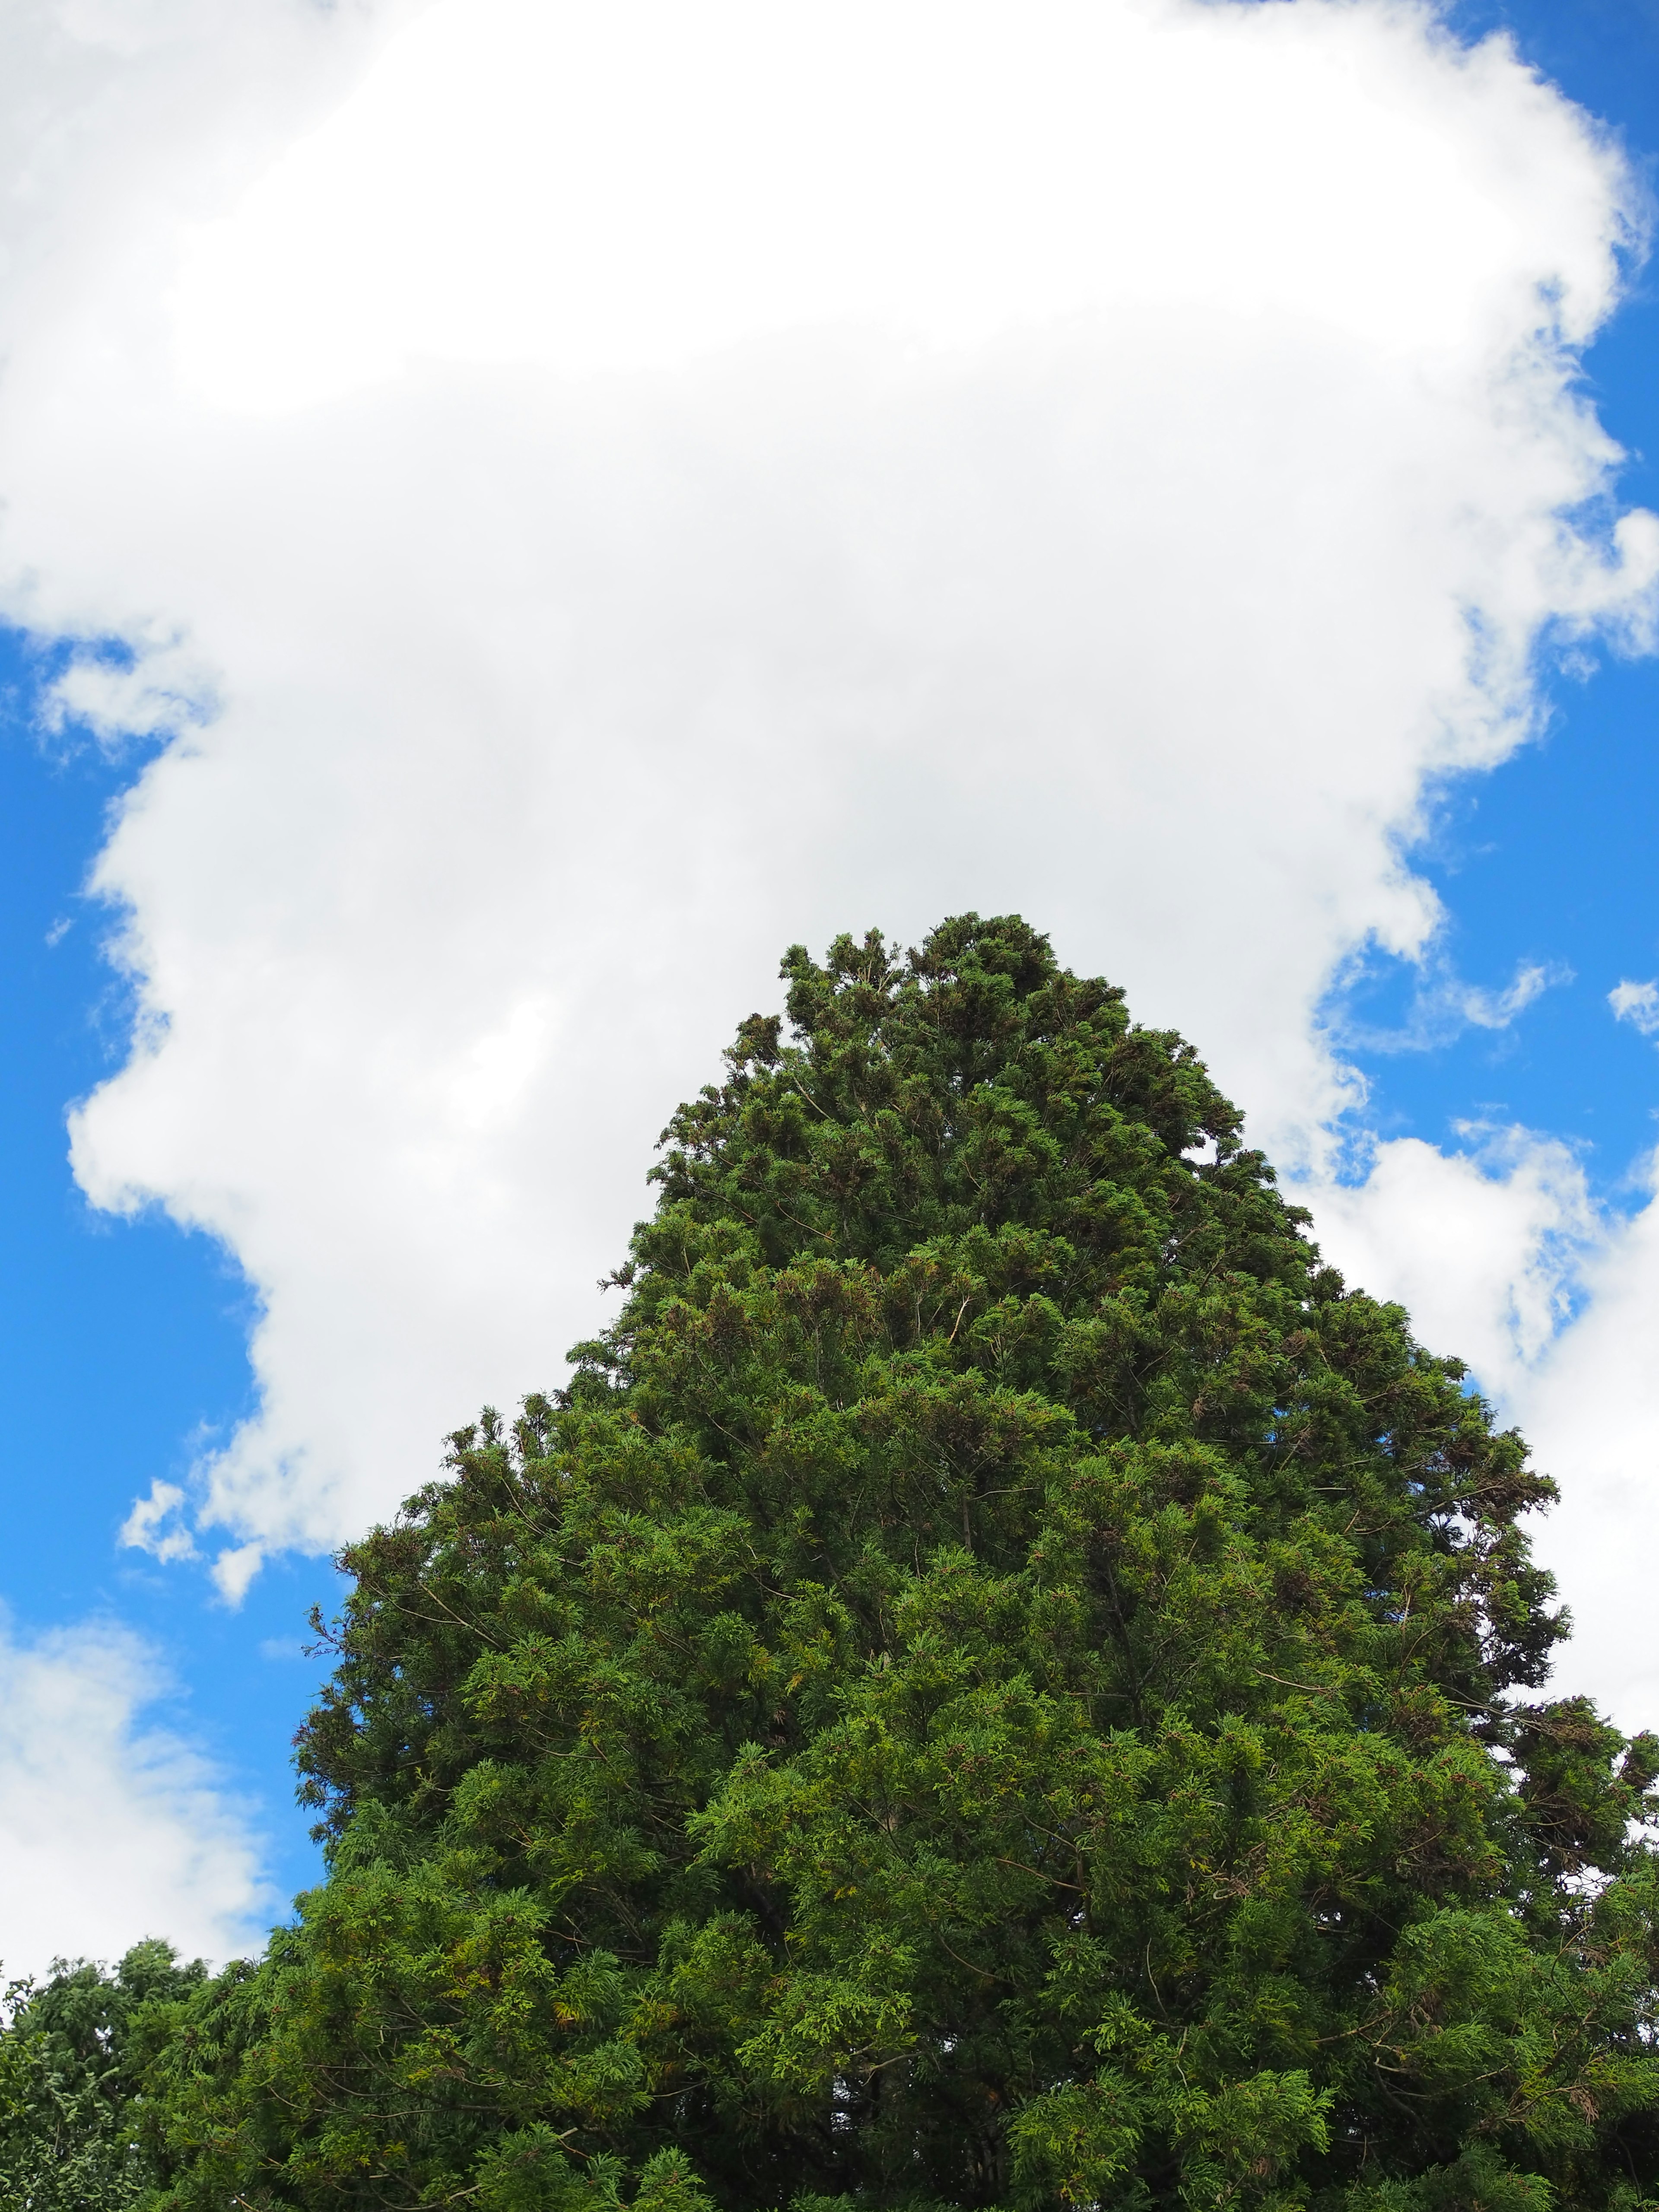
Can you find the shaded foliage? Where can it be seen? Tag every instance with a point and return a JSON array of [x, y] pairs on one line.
[[1001, 1682], [68, 2106]]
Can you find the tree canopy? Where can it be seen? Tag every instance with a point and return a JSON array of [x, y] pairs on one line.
[[69, 2091], [1000, 1682]]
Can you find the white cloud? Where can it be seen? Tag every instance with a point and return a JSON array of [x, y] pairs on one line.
[[111, 1829], [1487, 1249], [156, 1524], [158, 693], [1591, 1413], [1500, 1254], [1443, 1003], [643, 486], [1636, 1003], [235, 1569], [1495, 1010]]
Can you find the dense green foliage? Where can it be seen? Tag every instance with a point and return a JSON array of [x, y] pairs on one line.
[[996, 1685], [68, 2131]]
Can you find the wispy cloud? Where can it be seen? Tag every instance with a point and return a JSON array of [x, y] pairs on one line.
[[1495, 1010], [1443, 1004]]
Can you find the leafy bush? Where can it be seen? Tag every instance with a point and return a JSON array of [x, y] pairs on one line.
[[67, 2088]]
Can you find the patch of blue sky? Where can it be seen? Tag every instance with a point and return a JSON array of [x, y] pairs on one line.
[[1548, 867], [122, 1344]]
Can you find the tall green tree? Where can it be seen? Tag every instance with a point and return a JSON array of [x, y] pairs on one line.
[[999, 1683]]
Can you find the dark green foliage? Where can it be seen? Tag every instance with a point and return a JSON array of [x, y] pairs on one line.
[[995, 1686], [68, 2118]]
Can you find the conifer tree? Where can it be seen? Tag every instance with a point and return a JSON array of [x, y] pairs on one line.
[[999, 1683]]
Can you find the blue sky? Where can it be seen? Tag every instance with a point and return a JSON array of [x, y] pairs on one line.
[[124, 1359], [1552, 859], [123, 1348]]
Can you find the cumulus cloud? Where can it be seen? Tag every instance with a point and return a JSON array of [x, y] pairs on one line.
[[625, 489], [1502, 1255], [1637, 1003], [156, 1524], [111, 1828], [159, 692], [1488, 1248], [1590, 1411]]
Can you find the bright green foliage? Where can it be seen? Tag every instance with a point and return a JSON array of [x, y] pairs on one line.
[[993, 1687], [68, 2139]]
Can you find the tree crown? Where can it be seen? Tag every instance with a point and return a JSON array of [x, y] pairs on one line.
[[992, 1685]]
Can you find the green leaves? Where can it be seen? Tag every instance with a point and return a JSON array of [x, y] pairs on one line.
[[70, 2121], [991, 1687]]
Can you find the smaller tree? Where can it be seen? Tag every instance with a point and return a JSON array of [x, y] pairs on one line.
[[68, 2083]]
